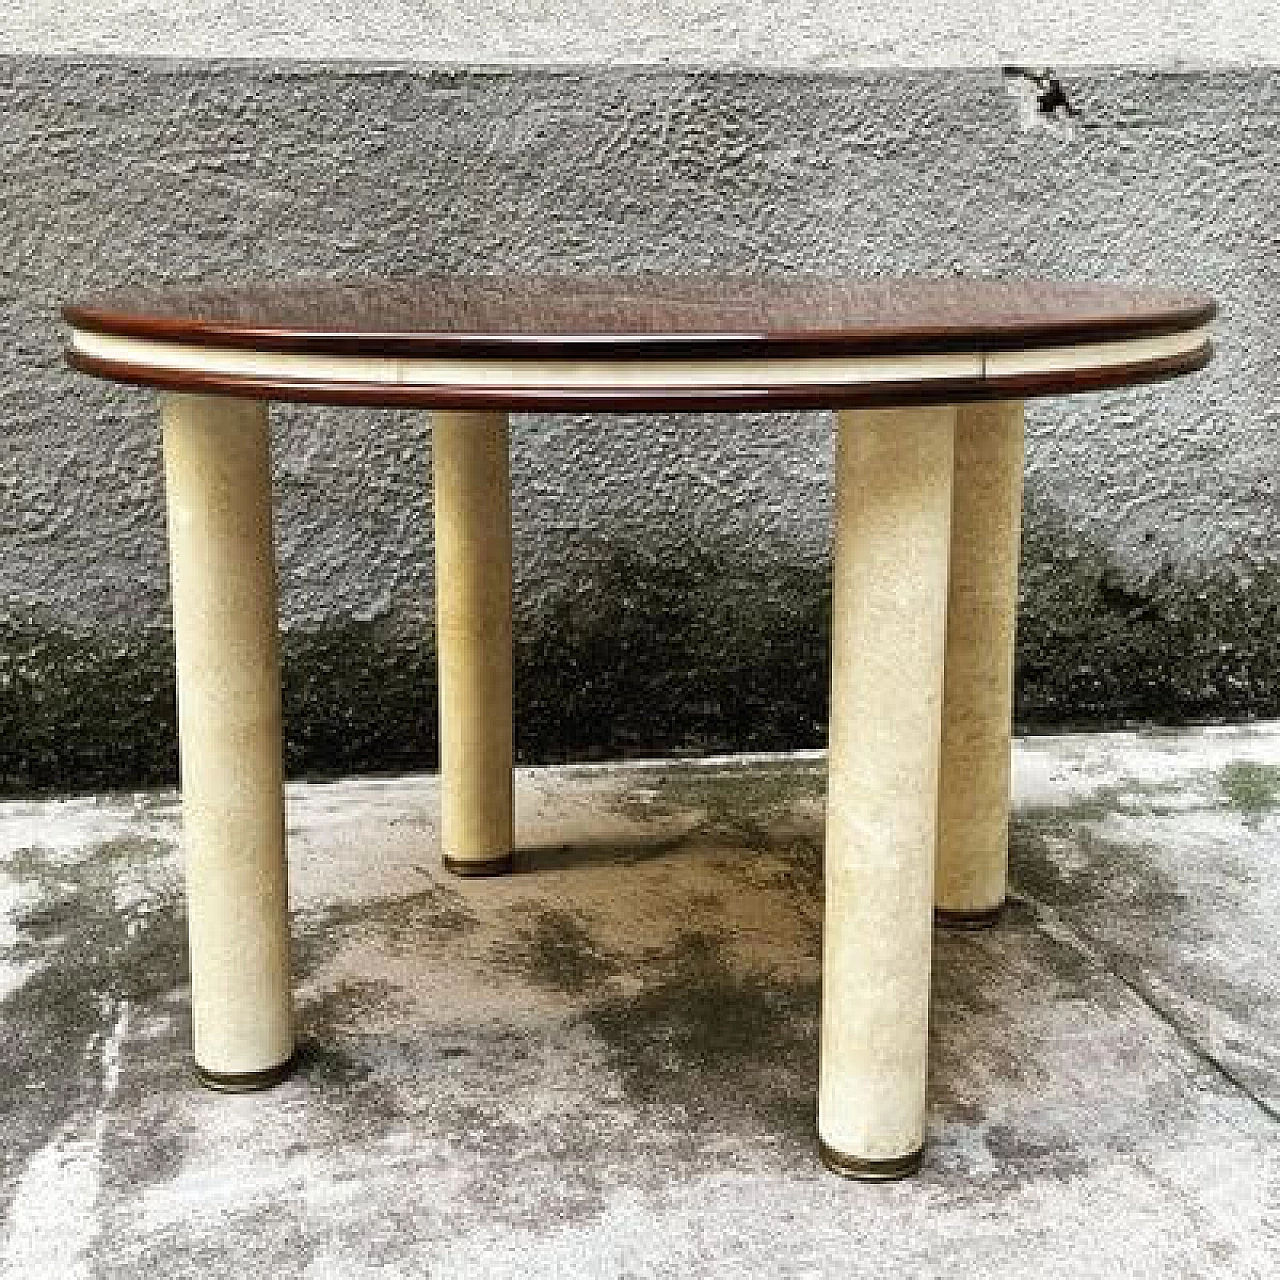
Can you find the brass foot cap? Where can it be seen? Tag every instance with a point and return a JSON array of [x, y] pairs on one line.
[[870, 1170], [500, 866], [945, 918], [245, 1081]]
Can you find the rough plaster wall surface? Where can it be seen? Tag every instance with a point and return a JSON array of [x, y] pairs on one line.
[[120, 170], [184, 173], [777, 33]]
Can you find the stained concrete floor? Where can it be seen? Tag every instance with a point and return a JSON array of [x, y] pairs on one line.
[[604, 1066]]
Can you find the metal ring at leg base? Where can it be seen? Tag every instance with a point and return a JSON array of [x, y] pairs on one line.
[[245, 1081], [870, 1170], [945, 918], [500, 866]]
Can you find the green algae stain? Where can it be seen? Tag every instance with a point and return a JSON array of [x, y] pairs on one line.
[[1250, 788]]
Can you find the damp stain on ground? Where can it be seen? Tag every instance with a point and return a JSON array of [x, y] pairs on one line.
[[323, 1022], [732, 800], [553, 947], [563, 1057], [616, 853], [90, 956], [734, 1049], [767, 820], [1065, 861], [1134, 908], [437, 910]]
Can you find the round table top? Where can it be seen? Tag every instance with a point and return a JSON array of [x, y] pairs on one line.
[[643, 342]]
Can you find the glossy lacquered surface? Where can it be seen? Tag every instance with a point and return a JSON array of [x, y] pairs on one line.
[[645, 315], [643, 343]]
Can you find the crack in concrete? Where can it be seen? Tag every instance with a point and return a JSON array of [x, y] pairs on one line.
[[1053, 926]]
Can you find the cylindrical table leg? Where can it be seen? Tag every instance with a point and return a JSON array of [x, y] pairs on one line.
[[473, 638], [222, 568], [892, 539], [977, 704]]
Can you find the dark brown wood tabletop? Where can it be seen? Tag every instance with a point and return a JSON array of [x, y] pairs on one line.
[[638, 319], [645, 315]]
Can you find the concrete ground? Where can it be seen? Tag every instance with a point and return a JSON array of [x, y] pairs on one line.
[[605, 1065]]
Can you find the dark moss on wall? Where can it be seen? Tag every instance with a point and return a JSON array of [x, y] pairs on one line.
[[83, 708], [640, 651], [637, 654], [87, 709], [359, 696], [1098, 645]]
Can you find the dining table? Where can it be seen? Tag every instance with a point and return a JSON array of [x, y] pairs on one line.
[[926, 379]]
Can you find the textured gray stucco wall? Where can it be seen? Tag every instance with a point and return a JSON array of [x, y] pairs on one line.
[[768, 33], [671, 570]]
